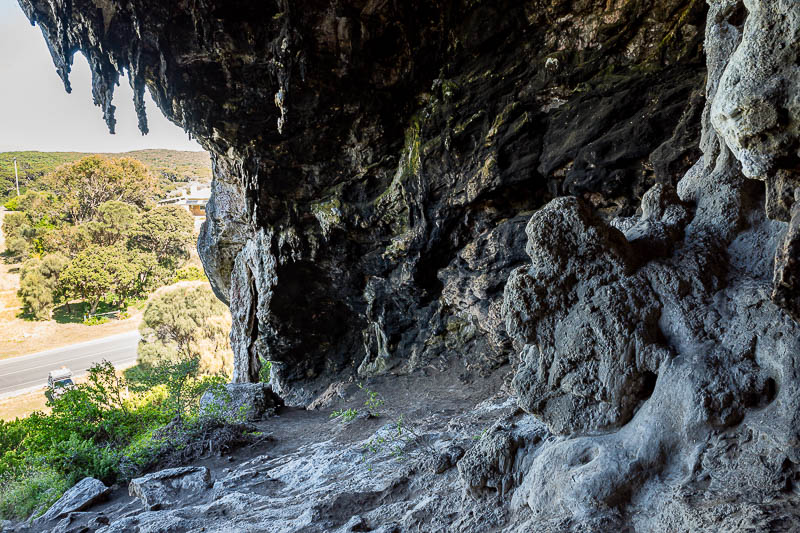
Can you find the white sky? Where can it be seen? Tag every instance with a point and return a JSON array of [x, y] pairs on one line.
[[36, 113]]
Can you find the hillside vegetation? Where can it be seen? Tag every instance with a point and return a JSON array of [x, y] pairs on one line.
[[169, 165]]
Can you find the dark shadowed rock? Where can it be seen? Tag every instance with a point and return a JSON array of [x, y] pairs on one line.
[[375, 161], [240, 401], [786, 283]]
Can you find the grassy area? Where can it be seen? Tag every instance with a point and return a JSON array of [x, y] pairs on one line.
[[79, 310]]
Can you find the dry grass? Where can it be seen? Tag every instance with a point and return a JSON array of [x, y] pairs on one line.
[[22, 405]]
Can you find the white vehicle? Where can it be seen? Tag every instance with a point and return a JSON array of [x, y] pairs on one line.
[[58, 381]]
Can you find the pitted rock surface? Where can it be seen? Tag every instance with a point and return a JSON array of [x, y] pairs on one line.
[[588, 325]]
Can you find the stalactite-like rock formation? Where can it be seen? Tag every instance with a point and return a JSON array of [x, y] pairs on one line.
[[603, 194]]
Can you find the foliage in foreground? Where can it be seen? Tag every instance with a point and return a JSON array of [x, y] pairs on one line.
[[107, 428]]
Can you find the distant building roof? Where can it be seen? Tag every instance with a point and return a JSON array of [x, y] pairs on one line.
[[196, 195]]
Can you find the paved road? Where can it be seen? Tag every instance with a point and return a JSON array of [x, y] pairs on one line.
[[20, 374]]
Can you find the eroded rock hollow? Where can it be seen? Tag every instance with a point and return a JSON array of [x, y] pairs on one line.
[[604, 196]]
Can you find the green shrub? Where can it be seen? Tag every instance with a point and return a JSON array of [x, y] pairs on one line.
[[345, 415], [182, 381], [189, 273], [77, 458], [18, 247], [265, 371], [33, 490], [95, 320], [12, 204], [100, 429]]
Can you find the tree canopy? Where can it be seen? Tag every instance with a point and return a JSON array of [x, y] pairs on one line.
[[109, 240], [40, 289], [168, 232], [85, 184]]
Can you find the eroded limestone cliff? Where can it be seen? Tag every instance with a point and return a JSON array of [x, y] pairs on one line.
[[603, 194]]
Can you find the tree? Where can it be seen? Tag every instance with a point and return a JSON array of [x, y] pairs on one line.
[[69, 240], [39, 212], [113, 222], [168, 232], [40, 289], [85, 184], [184, 323], [15, 225], [115, 272], [90, 274], [38, 205]]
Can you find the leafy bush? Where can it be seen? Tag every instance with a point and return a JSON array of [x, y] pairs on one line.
[[18, 247], [12, 204], [185, 323], [265, 371], [183, 383], [95, 320], [31, 490], [189, 273]]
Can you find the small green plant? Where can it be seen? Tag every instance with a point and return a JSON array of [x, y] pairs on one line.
[[402, 436], [480, 435], [373, 402], [264, 373], [345, 415], [95, 320]]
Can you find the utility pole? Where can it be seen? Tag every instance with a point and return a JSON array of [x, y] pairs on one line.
[[16, 175]]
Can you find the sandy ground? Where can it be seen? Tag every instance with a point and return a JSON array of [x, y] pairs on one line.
[[22, 405], [20, 337]]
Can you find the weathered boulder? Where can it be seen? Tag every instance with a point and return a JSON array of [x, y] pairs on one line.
[[723, 405], [83, 495], [588, 327], [170, 487], [240, 401]]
